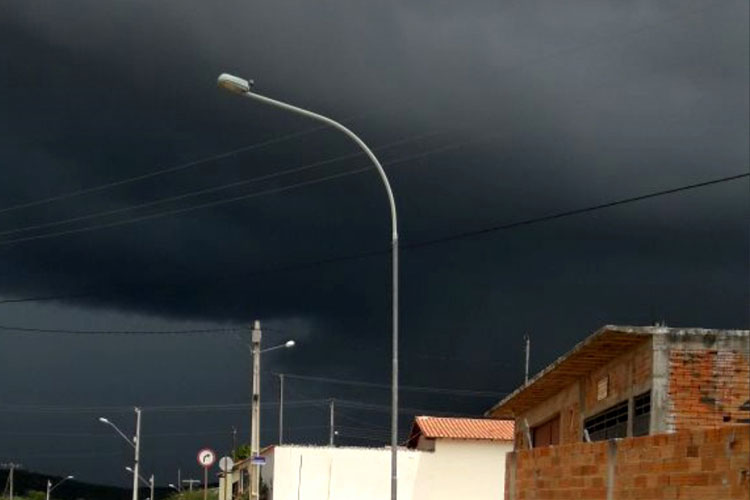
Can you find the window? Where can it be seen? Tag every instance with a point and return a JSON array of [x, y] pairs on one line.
[[547, 433], [608, 424], [642, 414]]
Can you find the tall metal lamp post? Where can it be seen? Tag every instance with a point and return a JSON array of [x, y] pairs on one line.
[[243, 87], [135, 443]]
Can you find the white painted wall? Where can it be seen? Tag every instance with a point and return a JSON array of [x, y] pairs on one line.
[[456, 469]]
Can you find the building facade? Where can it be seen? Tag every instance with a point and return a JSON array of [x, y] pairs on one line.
[[627, 381], [446, 458]]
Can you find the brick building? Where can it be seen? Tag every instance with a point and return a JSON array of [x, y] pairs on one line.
[[625, 381]]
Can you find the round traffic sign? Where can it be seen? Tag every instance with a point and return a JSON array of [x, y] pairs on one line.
[[226, 464], [206, 457]]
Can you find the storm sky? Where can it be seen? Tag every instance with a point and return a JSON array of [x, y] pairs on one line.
[[483, 113]]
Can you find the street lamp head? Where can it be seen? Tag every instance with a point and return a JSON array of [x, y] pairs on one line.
[[103, 420], [129, 469], [70, 477], [234, 84], [290, 343]]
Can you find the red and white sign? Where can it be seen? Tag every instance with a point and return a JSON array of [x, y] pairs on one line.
[[206, 457]]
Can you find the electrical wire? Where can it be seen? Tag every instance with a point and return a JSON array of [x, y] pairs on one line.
[[408, 388], [149, 175], [119, 332], [215, 189], [224, 201], [48, 409]]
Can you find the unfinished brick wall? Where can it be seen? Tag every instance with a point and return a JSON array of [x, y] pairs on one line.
[[699, 464], [709, 388]]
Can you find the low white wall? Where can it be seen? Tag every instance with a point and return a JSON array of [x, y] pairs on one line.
[[456, 469]]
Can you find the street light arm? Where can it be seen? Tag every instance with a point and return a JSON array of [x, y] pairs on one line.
[[117, 429], [143, 480], [280, 346], [351, 135], [59, 483]]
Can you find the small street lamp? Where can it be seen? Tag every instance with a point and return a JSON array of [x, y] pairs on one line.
[[149, 483], [50, 488]]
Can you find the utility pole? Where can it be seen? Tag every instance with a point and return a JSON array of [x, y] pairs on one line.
[[137, 443], [281, 408], [11, 473], [527, 340], [179, 482], [234, 443], [255, 421], [331, 430]]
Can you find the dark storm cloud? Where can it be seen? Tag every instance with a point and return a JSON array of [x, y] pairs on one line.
[[550, 106]]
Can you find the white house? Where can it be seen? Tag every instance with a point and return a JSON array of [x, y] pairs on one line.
[[445, 458]]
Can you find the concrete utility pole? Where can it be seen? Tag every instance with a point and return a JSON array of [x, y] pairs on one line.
[[331, 429], [527, 340], [136, 464], [255, 420], [11, 470], [281, 408]]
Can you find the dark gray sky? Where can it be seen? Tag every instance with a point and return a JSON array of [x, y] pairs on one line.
[[484, 113]]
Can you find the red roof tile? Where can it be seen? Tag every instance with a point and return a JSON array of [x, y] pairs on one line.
[[463, 428]]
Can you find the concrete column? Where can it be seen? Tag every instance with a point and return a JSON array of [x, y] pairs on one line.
[[660, 403]]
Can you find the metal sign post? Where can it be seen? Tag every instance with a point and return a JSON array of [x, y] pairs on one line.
[[206, 458]]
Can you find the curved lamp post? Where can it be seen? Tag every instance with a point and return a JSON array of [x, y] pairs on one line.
[[243, 87], [148, 482], [50, 488], [135, 443]]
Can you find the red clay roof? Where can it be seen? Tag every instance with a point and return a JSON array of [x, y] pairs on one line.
[[461, 428]]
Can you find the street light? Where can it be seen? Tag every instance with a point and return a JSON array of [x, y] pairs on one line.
[[286, 345], [149, 483], [243, 87], [50, 488], [135, 443]]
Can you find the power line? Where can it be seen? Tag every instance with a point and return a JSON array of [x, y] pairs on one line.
[[500, 227], [224, 201], [43, 299], [214, 189], [120, 332], [357, 405], [176, 168], [577, 211], [48, 409], [408, 388], [490, 229]]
